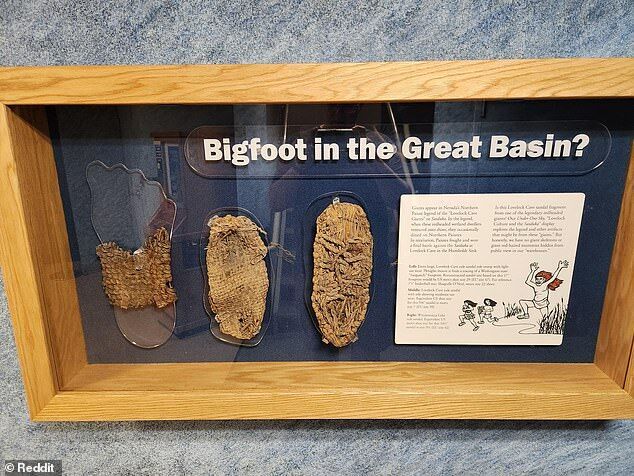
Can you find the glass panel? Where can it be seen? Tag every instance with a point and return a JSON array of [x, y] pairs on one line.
[[153, 172]]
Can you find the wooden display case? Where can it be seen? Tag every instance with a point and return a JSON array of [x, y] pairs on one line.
[[61, 384]]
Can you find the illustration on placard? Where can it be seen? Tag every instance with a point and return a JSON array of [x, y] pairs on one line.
[[542, 283], [468, 315], [531, 316], [486, 312]]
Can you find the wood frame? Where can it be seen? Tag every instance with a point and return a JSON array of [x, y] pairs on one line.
[[60, 384]]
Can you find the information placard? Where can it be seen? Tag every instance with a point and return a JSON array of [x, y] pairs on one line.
[[489, 269]]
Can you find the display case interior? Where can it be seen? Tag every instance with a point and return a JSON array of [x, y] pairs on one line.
[[129, 173]]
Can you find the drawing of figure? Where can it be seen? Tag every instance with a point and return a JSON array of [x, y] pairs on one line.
[[486, 311], [468, 315], [542, 283]]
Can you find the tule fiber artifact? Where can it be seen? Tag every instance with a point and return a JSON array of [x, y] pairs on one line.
[[342, 270]]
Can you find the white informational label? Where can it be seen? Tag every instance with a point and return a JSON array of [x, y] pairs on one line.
[[486, 269]]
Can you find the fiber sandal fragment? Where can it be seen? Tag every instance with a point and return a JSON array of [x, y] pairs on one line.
[[237, 274], [342, 270]]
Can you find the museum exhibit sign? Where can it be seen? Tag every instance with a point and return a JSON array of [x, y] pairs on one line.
[[374, 240]]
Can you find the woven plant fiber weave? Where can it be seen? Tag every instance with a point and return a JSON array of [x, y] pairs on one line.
[[139, 279], [238, 278], [342, 270]]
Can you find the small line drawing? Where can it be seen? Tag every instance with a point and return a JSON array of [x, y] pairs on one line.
[[486, 311], [542, 283], [467, 314]]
